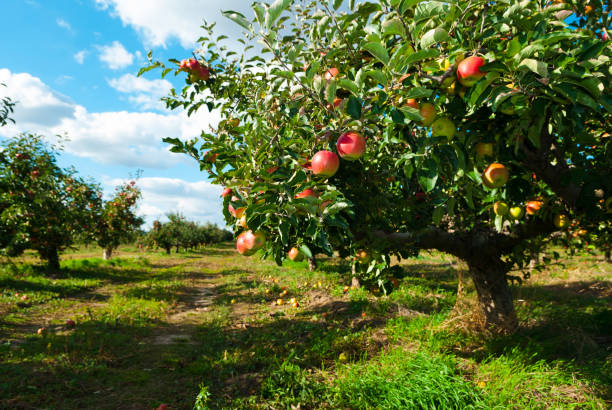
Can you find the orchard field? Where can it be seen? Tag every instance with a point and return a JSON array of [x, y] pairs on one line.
[[150, 328]]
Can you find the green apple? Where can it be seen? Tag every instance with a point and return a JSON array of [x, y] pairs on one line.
[[517, 212], [443, 127]]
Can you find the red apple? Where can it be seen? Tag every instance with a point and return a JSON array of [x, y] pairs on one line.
[[295, 255], [325, 163], [495, 176], [351, 145], [331, 73], [533, 207], [248, 242], [307, 193], [468, 71], [70, 323], [411, 102], [428, 112], [162, 407]]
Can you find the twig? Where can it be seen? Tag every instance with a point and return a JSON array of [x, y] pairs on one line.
[[350, 48]]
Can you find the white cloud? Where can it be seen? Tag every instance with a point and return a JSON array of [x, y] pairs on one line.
[[142, 92], [115, 56], [199, 201], [164, 20], [64, 24], [132, 139], [80, 56]]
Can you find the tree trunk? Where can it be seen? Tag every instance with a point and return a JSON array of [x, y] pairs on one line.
[[168, 251], [607, 256], [312, 264], [494, 296], [107, 253], [51, 255], [354, 281], [177, 249]]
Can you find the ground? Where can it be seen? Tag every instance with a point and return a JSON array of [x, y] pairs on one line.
[[203, 329]]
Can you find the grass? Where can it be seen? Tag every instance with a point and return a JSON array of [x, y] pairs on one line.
[[203, 330]]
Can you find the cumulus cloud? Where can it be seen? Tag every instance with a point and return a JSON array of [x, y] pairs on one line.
[[115, 56], [199, 201], [143, 93], [80, 56], [165, 20], [131, 139]]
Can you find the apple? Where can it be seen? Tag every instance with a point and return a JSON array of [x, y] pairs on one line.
[[226, 191], [236, 213], [279, 302], [351, 145], [243, 222], [484, 149], [533, 207], [248, 242], [346, 289], [307, 193], [342, 357], [41, 331], [295, 255], [411, 102], [516, 212], [468, 71], [500, 208], [443, 127], [331, 73], [561, 221], [495, 176], [210, 156], [325, 163], [363, 256], [428, 112], [605, 36], [70, 323], [163, 407]]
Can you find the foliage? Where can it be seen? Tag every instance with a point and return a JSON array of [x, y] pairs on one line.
[[179, 232], [6, 109], [42, 206], [116, 218]]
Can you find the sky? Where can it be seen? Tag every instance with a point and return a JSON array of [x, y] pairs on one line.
[[71, 67]]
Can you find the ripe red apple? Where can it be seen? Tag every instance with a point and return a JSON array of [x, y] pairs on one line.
[[307, 193], [325, 163], [411, 102], [70, 323], [468, 71], [295, 255], [163, 407], [248, 242], [443, 127], [495, 176], [533, 207], [484, 149], [331, 73], [428, 112], [351, 145], [500, 208]]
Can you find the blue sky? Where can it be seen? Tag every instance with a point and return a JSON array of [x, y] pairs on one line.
[[71, 66]]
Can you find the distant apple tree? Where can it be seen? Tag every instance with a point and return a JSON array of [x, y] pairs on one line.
[[475, 128], [42, 206]]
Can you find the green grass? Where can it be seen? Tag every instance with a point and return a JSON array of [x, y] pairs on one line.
[[202, 329]]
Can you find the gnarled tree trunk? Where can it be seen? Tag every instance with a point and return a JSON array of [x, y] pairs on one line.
[[107, 253], [494, 296]]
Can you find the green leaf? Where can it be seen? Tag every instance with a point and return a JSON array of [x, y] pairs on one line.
[[499, 222], [421, 55], [275, 11], [378, 75], [238, 18], [438, 213], [482, 85], [331, 90], [419, 92], [348, 85], [353, 107], [394, 26], [260, 13], [378, 51], [337, 4], [430, 9], [538, 67], [411, 113], [399, 55], [428, 174], [433, 36], [306, 251]]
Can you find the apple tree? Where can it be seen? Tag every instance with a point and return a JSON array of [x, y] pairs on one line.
[[42, 206], [116, 220], [475, 128], [6, 109]]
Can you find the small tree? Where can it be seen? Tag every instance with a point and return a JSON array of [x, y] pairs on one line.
[[6, 109], [42, 206], [117, 221]]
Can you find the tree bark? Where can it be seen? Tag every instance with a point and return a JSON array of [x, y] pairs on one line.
[[494, 296], [107, 253], [312, 264], [51, 255], [607, 256], [354, 280], [168, 251]]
